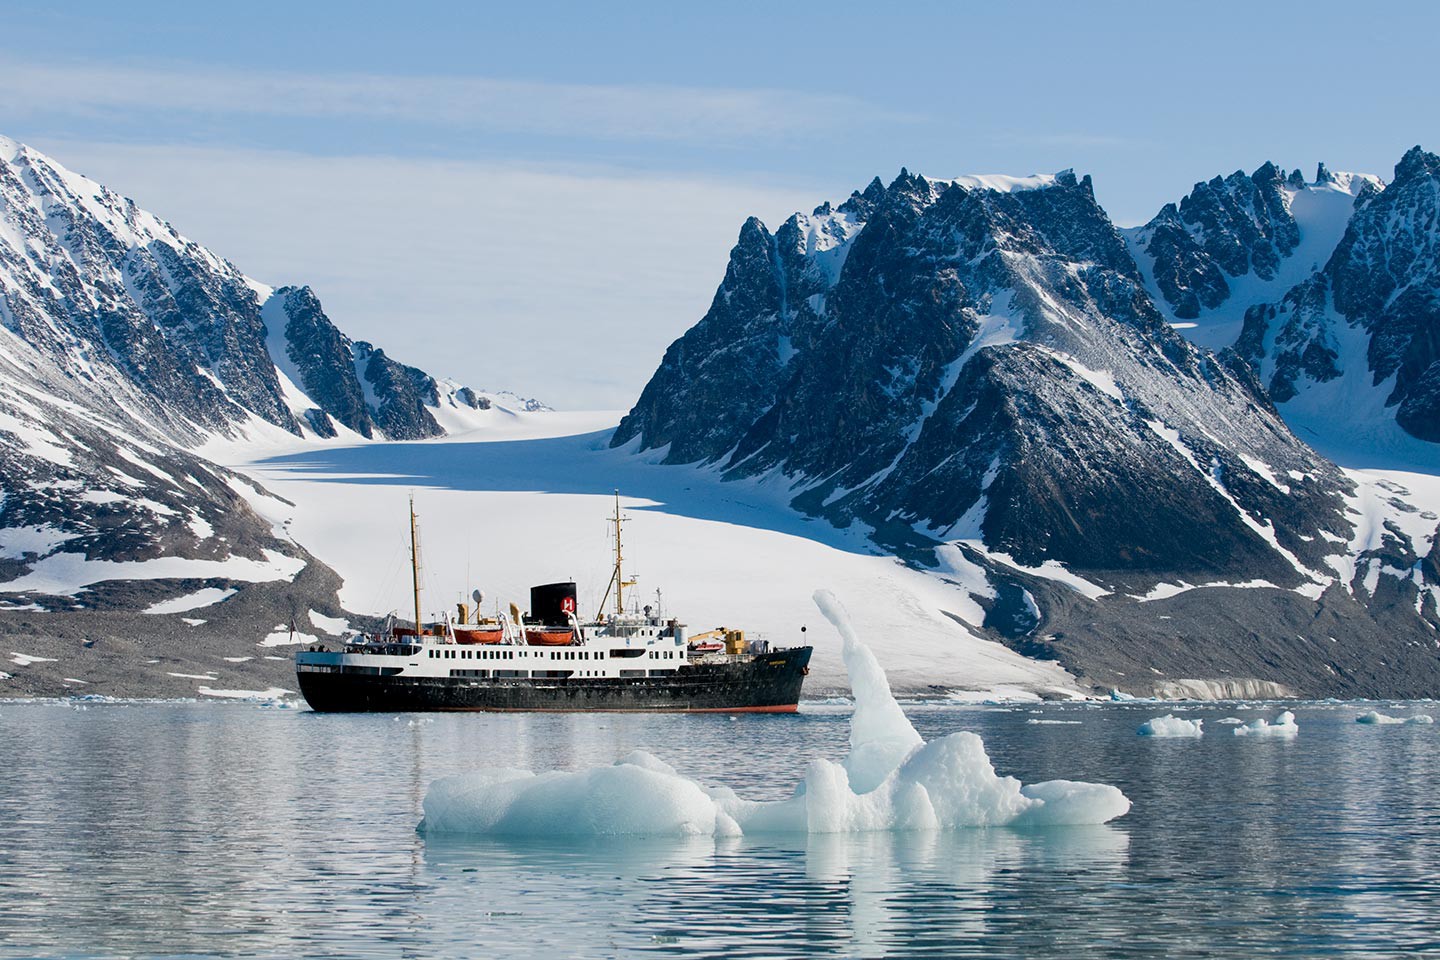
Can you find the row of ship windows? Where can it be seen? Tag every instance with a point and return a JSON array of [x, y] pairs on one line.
[[553, 674], [554, 654]]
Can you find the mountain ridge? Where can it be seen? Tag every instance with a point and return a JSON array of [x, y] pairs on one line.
[[129, 354], [988, 384]]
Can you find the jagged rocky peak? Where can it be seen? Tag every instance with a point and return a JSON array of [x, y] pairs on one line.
[[1362, 332], [766, 312], [123, 347], [1235, 237], [352, 382], [985, 366], [119, 298], [1384, 279]]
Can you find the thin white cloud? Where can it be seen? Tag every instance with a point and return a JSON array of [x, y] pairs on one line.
[[566, 285], [609, 112]]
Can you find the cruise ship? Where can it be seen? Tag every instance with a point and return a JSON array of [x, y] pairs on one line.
[[547, 659]]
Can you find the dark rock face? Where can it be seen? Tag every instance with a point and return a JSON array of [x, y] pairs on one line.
[[319, 354], [353, 382], [1385, 276], [121, 298], [1233, 225], [116, 296], [723, 375], [88, 483], [1303, 346], [1369, 310], [988, 359], [403, 392], [978, 363], [122, 346]]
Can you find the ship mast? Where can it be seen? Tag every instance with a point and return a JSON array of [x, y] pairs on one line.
[[415, 561], [618, 583]]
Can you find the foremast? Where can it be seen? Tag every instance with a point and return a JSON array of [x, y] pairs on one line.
[[618, 583]]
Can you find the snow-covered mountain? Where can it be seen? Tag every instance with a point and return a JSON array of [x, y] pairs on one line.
[[1329, 289], [127, 354], [975, 370], [117, 298], [1241, 240]]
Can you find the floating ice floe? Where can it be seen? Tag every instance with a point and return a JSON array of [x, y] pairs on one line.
[[1171, 726], [1376, 717], [269, 693], [891, 780], [1282, 726]]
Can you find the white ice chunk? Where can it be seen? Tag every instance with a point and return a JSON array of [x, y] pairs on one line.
[[892, 780], [269, 693], [881, 736], [1376, 717], [1171, 726], [1282, 726]]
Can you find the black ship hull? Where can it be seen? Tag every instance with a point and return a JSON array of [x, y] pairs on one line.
[[767, 683]]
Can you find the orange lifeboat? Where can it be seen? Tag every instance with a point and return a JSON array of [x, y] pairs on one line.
[[478, 634], [549, 636]]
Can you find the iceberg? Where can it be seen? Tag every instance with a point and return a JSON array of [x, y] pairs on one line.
[[1282, 726], [1376, 717], [1171, 726], [891, 780]]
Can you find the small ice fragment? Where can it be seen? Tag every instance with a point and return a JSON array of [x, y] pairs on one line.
[[1171, 726], [1378, 718], [1283, 726]]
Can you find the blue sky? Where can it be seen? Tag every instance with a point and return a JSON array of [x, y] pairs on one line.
[[555, 176]]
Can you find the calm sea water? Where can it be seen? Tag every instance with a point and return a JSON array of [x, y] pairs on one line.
[[236, 830]]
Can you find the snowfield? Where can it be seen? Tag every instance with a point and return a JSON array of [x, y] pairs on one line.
[[525, 501]]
